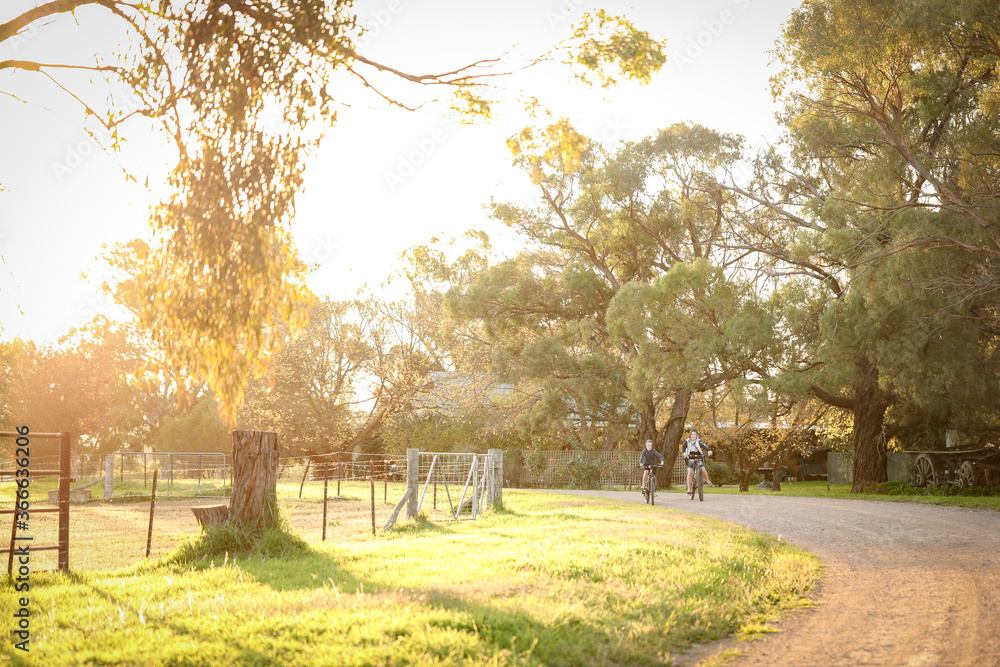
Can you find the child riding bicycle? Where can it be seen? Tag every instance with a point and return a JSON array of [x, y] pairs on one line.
[[695, 451], [647, 460]]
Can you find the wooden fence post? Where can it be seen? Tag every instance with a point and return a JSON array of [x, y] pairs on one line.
[[255, 477], [412, 481], [109, 477], [497, 495], [304, 475], [326, 481], [65, 473], [152, 505]]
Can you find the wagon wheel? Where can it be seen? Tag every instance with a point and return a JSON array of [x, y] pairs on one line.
[[924, 472], [968, 475]]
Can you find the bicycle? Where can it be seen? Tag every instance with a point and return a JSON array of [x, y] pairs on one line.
[[699, 478], [649, 490]]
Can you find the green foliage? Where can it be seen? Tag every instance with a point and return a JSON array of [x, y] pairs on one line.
[[584, 473], [719, 473], [201, 430], [536, 461], [905, 488], [611, 42], [881, 200], [619, 302], [230, 540], [269, 537]]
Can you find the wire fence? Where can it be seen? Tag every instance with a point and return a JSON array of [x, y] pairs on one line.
[[581, 469], [338, 497], [463, 483], [180, 475]]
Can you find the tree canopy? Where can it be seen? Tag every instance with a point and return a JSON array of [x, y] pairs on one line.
[[244, 89]]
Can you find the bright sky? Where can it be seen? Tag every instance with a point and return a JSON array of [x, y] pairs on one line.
[[384, 180]]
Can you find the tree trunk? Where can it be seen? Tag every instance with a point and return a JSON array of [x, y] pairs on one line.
[[210, 515], [869, 439], [673, 432], [776, 473], [255, 478]]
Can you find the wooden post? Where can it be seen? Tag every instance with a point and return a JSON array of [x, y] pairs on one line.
[[13, 535], [255, 476], [109, 477], [210, 515], [325, 482], [475, 487], [412, 481], [152, 505], [304, 474], [373, 504], [64, 476], [497, 496]]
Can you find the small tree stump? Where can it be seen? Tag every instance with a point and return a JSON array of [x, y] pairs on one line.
[[255, 476], [210, 515]]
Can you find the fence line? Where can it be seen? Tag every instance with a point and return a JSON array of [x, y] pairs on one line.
[[581, 469], [181, 474]]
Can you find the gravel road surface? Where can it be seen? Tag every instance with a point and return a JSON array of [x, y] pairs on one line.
[[905, 584]]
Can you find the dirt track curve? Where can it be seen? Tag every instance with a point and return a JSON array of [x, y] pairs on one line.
[[905, 584]]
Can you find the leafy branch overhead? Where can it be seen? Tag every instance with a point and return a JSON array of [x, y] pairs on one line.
[[245, 90]]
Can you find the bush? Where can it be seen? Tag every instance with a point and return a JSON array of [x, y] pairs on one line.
[[535, 461], [584, 474], [719, 473], [904, 488]]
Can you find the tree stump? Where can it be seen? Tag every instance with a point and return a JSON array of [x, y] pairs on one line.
[[210, 515], [255, 477]]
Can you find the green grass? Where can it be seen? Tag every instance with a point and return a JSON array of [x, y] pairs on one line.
[[890, 492], [548, 580]]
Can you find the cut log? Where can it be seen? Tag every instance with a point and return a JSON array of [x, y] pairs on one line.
[[210, 515], [255, 477]]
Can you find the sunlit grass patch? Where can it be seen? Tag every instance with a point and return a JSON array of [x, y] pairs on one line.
[[548, 580]]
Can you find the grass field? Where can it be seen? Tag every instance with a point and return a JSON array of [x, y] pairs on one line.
[[108, 535], [547, 580]]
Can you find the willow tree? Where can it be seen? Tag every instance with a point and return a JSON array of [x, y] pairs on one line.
[[885, 198], [244, 88]]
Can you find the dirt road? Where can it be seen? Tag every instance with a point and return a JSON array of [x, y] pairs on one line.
[[904, 584]]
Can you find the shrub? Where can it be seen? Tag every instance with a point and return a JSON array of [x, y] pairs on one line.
[[904, 488], [535, 461], [584, 474], [719, 473]]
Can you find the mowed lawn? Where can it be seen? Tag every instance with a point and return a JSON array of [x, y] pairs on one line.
[[547, 580]]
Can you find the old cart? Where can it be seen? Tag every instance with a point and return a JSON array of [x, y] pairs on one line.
[[965, 467]]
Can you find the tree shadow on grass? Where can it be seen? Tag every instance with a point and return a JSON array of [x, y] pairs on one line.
[[567, 639]]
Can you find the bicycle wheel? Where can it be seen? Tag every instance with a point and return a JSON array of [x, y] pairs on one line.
[[652, 489], [701, 482]]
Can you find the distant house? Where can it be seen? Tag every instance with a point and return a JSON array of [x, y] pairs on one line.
[[450, 393]]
